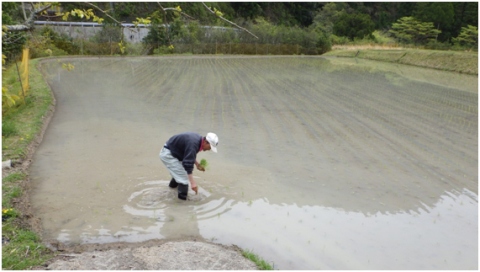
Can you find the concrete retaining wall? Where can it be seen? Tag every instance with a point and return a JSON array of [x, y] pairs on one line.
[[88, 30]]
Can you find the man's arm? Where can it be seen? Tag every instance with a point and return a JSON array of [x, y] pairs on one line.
[[193, 183], [199, 166]]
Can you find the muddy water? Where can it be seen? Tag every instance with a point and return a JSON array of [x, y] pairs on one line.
[[323, 163]]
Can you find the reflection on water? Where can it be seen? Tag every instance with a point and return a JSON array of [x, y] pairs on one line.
[[324, 164], [316, 237], [311, 237]]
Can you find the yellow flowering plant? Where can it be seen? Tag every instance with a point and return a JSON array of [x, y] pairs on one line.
[[6, 213]]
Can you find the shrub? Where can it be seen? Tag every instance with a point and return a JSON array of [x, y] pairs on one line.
[[336, 40], [42, 45]]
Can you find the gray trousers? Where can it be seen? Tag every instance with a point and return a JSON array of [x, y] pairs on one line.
[[174, 166], [180, 176]]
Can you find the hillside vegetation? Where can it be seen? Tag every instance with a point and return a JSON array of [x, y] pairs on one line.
[[262, 28]]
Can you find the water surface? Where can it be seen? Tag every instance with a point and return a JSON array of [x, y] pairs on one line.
[[323, 163]]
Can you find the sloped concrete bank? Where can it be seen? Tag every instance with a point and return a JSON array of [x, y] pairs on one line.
[[454, 61]]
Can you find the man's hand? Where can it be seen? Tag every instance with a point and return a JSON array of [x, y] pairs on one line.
[[195, 189], [201, 168]]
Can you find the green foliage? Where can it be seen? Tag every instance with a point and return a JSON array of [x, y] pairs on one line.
[[8, 10], [247, 10], [105, 42], [164, 50], [28, 116], [282, 27], [158, 34], [60, 41], [8, 213], [261, 264], [410, 30], [11, 189], [8, 128], [126, 9], [382, 38], [356, 25], [109, 33], [440, 13], [9, 101], [43, 44], [12, 44], [295, 39], [22, 248], [336, 40], [468, 37], [14, 177], [204, 163], [325, 18]]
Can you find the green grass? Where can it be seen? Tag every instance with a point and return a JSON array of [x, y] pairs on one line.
[[261, 264], [11, 188], [26, 119], [9, 128], [13, 177], [21, 248]]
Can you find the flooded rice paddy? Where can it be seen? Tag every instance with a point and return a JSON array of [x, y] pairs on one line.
[[322, 163]]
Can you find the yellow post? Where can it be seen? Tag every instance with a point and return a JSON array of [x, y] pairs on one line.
[[25, 69]]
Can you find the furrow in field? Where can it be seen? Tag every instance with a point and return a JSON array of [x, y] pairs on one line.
[[387, 124], [188, 93], [155, 80], [285, 102], [367, 100], [281, 132], [163, 80], [205, 88], [396, 109], [176, 105], [278, 98], [259, 113], [242, 109], [229, 93], [321, 115], [216, 94], [197, 80], [405, 115]]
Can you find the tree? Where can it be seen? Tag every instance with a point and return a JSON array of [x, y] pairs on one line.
[[354, 25], [441, 14], [466, 13], [327, 16], [468, 37], [247, 10], [409, 29]]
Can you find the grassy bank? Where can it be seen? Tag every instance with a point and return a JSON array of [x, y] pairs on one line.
[[21, 127], [261, 264], [454, 61]]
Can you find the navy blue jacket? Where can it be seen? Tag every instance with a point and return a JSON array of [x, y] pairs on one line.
[[184, 147]]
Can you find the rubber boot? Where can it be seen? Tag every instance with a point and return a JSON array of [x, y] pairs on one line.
[[173, 183], [182, 191]]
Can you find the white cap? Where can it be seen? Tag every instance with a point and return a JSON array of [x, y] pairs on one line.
[[212, 138]]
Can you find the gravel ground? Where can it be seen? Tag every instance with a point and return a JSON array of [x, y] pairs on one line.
[[180, 255]]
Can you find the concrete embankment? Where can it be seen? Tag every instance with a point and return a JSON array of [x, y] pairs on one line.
[[454, 61]]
